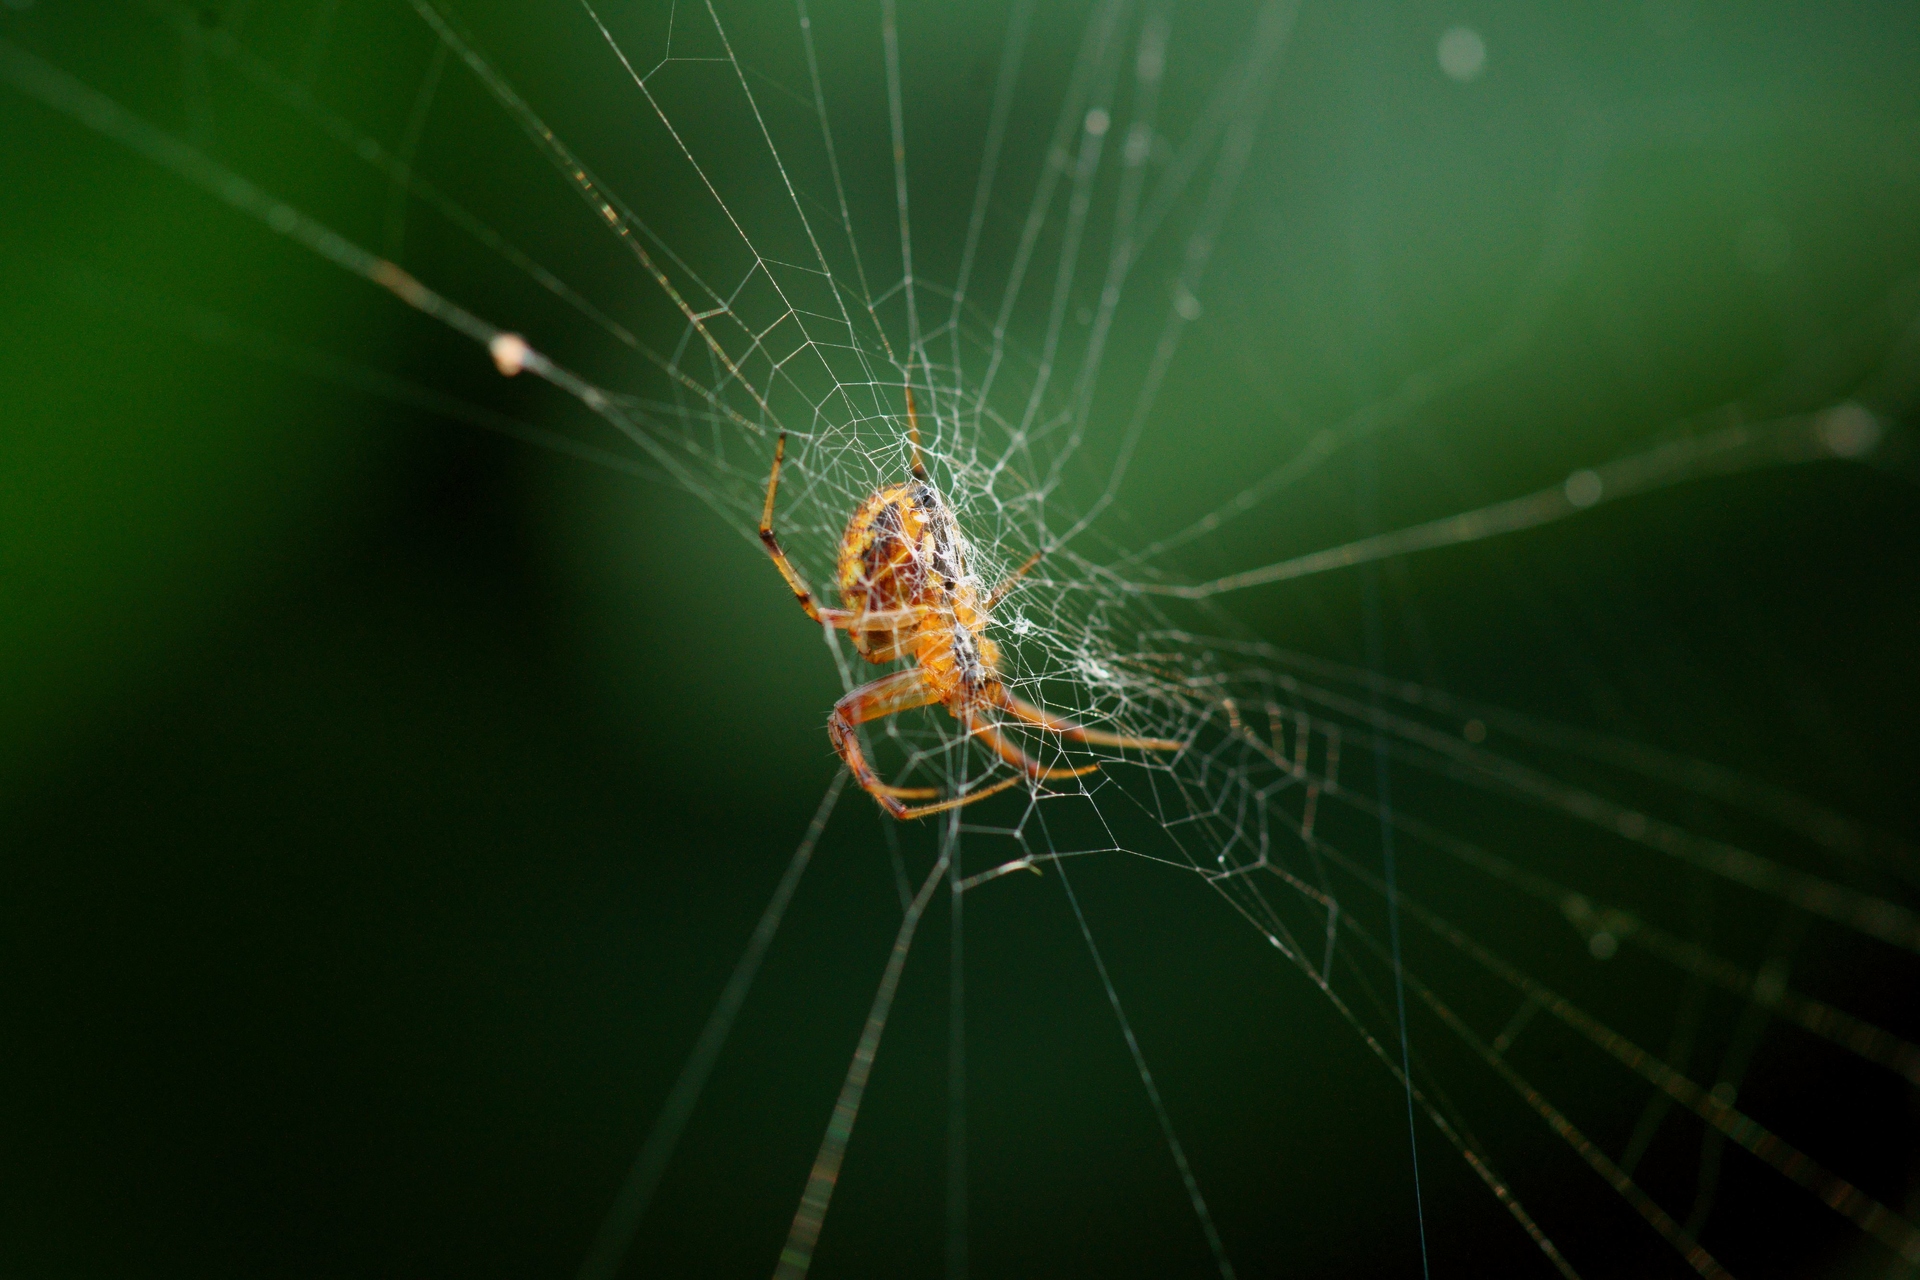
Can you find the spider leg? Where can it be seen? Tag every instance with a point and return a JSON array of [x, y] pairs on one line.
[[913, 427], [1033, 715], [824, 616], [902, 647], [901, 691], [1004, 747], [998, 593], [922, 810]]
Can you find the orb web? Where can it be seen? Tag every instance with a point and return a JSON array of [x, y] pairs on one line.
[[755, 287]]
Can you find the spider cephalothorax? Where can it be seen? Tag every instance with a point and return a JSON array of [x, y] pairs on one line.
[[906, 592]]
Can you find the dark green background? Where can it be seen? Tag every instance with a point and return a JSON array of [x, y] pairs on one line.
[[383, 803]]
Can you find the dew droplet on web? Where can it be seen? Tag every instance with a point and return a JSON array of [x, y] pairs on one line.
[[509, 352], [1097, 121]]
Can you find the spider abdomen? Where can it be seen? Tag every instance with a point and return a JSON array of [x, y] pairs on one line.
[[902, 555]]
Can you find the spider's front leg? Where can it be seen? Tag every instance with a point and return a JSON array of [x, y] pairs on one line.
[[824, 616]]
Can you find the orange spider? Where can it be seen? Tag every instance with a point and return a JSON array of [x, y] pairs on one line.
[[906, 593]]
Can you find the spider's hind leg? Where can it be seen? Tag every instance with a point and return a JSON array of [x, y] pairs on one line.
[[1069, 729], [1004, 747], [901, 691]]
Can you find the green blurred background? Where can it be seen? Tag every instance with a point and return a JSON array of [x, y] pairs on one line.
[[383, 802]]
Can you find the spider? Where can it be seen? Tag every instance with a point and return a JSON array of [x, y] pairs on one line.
[[906, 592]]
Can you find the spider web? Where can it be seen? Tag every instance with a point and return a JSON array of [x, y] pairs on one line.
[[751, 284]]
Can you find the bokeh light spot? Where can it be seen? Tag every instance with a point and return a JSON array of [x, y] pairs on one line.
[[1462, 53], [1584, 488], [1849, 430]]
